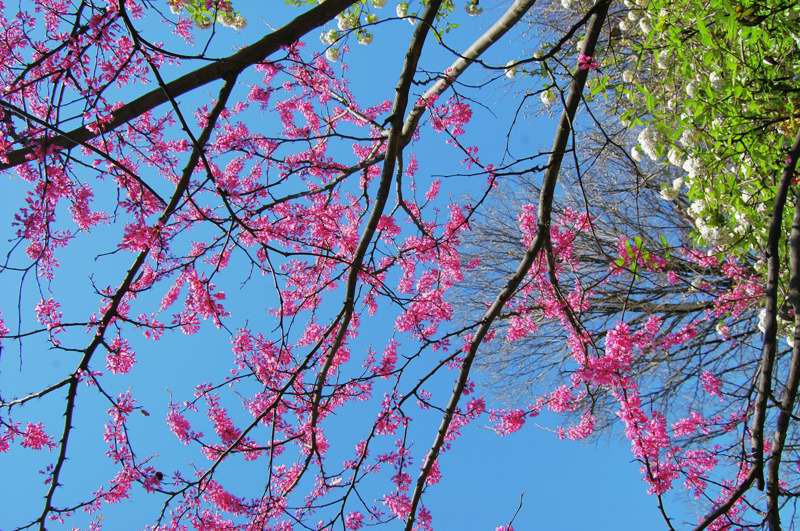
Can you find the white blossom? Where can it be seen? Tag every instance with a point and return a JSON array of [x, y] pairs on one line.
[[644, 25], [648, 140], [636, 154], [696, 208], [345, 22], [693, 166], [742, 224], [332, 54], [710, 234], [688, 138], [511, 69], [675, 157], [669, 194], [329, 37], [662, 61], [402, 9], [691, 89], [715, 79], [627, 76], [548, 97]]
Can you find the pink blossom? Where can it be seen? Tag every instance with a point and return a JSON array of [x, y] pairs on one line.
[[120, 357], [696, 464], [711, 383], [508, 422], [399, 504], [48, 312], [581, 430], [586, 62], [3, 329], [690, 425], [354, 520], [34, 437], [180, 425]]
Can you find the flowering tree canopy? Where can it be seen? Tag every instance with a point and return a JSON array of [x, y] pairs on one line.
[[376, 268]]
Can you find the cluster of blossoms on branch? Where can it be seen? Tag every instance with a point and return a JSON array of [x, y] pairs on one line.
[[290, 222]]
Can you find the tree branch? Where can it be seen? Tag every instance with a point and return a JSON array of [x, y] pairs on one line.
[[218, 69], [544, 214]]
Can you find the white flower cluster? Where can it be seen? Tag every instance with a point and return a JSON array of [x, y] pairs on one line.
[[511, 69], [785, 327], [402, 12], [232, 20], [649, 138], [332, 54], [718, 219], [635, 17], [364, 38], [693, 166], [548, 97], [329, 37], [675, 157], [227, 17], [671, 193], [346, 22]]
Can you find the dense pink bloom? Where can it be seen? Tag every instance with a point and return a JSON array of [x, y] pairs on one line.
[[587, 62], [582, 430], [354, 520], [180, 425], [509, 421], [34, 437], [711, 383], [120, 357], [48, 312], [690, 425], [398, 503]]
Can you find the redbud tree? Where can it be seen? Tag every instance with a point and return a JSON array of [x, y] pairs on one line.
[[365, 255]]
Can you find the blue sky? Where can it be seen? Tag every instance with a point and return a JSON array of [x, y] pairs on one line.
[[566, 485]]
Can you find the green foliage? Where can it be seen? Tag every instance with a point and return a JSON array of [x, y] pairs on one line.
[[717, 87], [221, 11]]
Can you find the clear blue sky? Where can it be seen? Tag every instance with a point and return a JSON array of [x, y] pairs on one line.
[[566, 485]]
